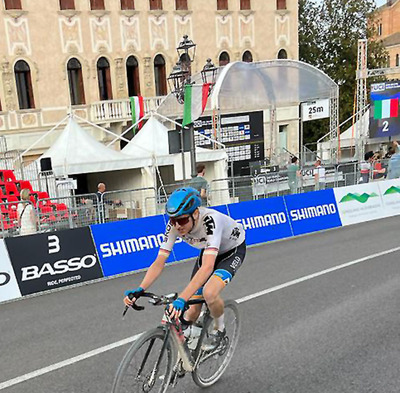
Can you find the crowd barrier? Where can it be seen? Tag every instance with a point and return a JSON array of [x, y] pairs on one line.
[[47, 261]]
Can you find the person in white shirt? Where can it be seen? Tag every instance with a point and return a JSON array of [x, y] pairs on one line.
[[27, 219], [319, 176], [222, 243]]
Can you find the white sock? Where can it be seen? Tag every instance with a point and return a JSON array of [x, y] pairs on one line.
[[219, 323]]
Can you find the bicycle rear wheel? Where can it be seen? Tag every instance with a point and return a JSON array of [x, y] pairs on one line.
[[138, 373], [211, 365]]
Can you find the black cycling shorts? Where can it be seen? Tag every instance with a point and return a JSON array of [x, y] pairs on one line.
[[226, 265]]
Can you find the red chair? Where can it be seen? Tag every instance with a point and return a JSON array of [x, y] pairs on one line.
[[11, 189], [8, 175], [62, 211], [26, 184], [43, 195], [12, 202], [47, 214], [6, 224]]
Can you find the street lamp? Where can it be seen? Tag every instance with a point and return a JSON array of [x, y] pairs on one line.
[[179, 78]]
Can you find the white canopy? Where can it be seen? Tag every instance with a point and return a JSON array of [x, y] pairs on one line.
[[152, 142], [76, 151]]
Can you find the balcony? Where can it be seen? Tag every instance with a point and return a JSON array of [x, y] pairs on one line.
[[102, 112]]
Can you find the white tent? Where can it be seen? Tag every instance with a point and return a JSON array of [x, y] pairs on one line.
[[151, 143], [76, 151]]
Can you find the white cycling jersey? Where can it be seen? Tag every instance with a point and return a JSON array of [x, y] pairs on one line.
[[212, 230]]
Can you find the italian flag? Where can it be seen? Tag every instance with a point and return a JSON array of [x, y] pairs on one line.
[[386, 109], [195, 102], [137, 109]]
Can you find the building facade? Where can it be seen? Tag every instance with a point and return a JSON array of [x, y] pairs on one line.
[[89, 56], [389, 30]]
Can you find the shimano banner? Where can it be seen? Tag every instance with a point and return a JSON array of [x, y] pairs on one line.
[[312, 211], [263, 220], [125, 246], [8, 283], [52, 260]]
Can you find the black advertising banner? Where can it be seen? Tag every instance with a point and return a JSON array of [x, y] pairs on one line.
[[52, 260]]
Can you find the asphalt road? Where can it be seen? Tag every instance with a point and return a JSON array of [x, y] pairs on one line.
[[334, 332]]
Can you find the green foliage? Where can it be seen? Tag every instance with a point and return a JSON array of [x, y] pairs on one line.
[[329, 31]]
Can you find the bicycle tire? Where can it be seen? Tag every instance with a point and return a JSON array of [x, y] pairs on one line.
[[199, 375], [124, 382]]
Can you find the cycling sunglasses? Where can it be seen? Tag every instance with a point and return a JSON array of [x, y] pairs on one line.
[[181, 221]]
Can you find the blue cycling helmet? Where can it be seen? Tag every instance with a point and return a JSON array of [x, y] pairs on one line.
[[183, 201]]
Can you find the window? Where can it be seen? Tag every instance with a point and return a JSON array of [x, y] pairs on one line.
[[75, 81], [132, 73], [156, 4], [222, 4], [181, 5], [245, 5], [282, 54], [281, 4], [160, 76], [0, 107], [13, 4], [380, 29], [97, 5], [247, 57], [397, 60], [127, 4], [223, 59], [104, 77], [24, 85], [67, 4], [388, 61]]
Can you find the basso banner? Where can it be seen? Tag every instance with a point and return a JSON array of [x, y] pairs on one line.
[[312, 211], [47, 261], [359, 203], [263, 220], [8, 283]]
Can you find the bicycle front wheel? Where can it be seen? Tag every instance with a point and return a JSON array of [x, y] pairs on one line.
[[144, 368], [212, 364]]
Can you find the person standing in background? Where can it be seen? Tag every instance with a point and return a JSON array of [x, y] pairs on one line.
[[319, 176], [200, 184], [26, 215], [294, 173]]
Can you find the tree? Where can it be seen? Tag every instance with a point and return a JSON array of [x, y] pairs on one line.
[[329, 31]]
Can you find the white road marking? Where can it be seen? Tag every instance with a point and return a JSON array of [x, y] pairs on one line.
[[128, 340]]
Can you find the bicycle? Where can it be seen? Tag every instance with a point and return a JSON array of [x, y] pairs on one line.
[[161, 356]]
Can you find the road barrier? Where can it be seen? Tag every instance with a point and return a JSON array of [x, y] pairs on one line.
[[42, 262]]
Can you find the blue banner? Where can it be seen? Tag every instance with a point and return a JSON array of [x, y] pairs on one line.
[[312, 211], [125, 246], [263, 220]]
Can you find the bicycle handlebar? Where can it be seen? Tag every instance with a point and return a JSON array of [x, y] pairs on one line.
[[161, 300]]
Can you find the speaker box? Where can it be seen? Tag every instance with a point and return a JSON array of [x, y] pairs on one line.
[[45, 164]]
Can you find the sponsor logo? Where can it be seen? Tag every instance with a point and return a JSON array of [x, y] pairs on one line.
[[392, 190], [236, 263], [312, 212], [209, 224], [235, 233], [362, 198], [59, 267], [54, 244], [262, 221], [4, 278], [378, 87], [128, 246]]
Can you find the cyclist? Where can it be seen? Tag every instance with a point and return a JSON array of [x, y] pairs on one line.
[[223, 248]]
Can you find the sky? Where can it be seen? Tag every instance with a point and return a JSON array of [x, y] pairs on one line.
[[380, 2]]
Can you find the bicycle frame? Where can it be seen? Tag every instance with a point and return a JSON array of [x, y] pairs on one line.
[[174, 330]]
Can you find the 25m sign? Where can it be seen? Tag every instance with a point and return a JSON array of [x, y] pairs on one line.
[[315, 110]]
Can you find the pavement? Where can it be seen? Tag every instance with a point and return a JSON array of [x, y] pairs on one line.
[[320, 314]]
